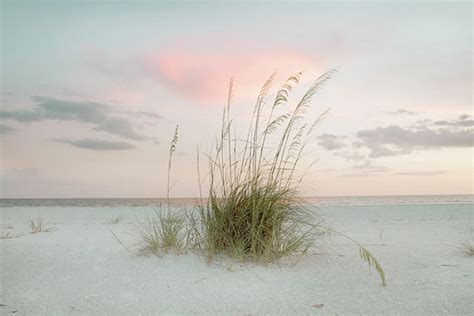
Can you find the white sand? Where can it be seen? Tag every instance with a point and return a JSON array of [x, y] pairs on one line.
[[78, 268]]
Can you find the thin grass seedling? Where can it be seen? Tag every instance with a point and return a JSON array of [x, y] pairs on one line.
[[467, 248], [114, 220], [119, 241], [37, 225]]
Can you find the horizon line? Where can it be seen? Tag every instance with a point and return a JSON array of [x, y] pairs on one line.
[[194, 198]]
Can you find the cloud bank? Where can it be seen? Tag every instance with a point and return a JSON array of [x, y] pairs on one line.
[[402, 112], [420, 173], [95, 144], [331, 142], [366, 146], [397, 140], [102, 117]]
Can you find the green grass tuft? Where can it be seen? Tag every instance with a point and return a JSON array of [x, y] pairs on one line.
[[164, 232], [167, 230]]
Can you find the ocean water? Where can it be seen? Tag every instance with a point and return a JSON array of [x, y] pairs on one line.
[[317, 201]]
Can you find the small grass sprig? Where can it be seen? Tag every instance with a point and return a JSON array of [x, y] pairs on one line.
[[37, 225], [467, 248], [167, 229], [367, 256], [164, 232]]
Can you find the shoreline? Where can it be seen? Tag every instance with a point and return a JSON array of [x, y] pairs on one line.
[[189, 202]]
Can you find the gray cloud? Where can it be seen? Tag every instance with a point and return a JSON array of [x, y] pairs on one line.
[[365, 169], [441, 123], [395, 140], [143, 114], [330, 142], [95, 144], [368, 167], [465, 123], [355, 175], [420, 173], [23, 116], [462, 122], [364, 147], [353, 155], [102, 116], [366, 173], [4, 129], [401, 112]]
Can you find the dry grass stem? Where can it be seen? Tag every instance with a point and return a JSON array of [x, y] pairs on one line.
[[38, 226]]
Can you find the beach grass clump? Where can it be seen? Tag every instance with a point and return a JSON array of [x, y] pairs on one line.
[[37, 225], [256, 224], [253, 209]]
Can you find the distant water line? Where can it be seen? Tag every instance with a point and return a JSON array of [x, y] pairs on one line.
[[322, 201]]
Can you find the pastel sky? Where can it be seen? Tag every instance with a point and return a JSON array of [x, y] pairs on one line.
[[91, 92]]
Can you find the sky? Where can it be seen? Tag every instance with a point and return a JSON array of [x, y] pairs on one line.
[[91, 92]]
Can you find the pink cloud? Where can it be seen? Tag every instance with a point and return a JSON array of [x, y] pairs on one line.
[[203, 74]]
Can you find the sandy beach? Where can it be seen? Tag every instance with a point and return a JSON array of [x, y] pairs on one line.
[[78, 267]]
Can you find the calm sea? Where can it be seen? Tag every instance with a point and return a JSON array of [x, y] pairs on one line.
[[322, 201]]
